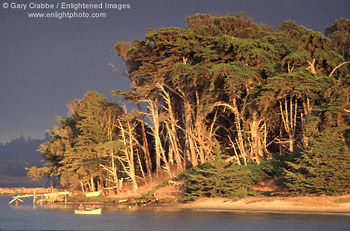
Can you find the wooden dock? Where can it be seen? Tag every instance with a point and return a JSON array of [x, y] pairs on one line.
[[44, 197]]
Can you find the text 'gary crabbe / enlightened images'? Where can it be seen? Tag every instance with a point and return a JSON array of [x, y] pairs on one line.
[[67, 10]]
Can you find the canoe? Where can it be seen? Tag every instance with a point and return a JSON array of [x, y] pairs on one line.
[[93, 211]]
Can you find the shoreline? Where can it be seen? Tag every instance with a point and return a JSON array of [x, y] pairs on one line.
[[292, 211], [300, 210], [267, 208], [321, 205], [270, 205], [266, 211], [245, 205]]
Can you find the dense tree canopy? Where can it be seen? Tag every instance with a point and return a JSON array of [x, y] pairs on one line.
[[223, 81]]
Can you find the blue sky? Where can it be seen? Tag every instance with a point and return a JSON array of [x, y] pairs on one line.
[[46, 63]]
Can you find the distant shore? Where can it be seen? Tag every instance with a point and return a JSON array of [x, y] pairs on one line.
[[23, 190]]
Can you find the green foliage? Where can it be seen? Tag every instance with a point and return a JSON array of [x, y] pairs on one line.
[[324, 168], [269, 167], [237, 25], [81, 143], [221, 179], [297, 58], [339, 33]]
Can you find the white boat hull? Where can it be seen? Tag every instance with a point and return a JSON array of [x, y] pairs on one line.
[[93, 194], [93, 212]]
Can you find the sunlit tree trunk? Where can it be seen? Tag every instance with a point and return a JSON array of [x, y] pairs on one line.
[[153, 107], [131, 157], [258, 139], [289, 110], [171, 125], [190, 145], [145, 148], [92, 183], [240, 138], [307, 111], [128, 160], [255, 139]]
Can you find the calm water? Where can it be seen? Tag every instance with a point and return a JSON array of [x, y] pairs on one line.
[[24, 217]]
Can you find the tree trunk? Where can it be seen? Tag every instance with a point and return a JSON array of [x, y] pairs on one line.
[[145, 148], [240, 138], [92, 184], [174, 150], [160, 153], [307, 111], [289, 119], [128, 152], [131, 157], [154, 111], [190, 146], [257, 152]]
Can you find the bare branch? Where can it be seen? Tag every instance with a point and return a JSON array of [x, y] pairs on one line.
[[330, 75], [312, 66]]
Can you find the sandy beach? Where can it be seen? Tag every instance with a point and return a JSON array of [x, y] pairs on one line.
[[318, 205]]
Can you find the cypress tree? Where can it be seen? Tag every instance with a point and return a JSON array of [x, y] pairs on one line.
[[324, 168]]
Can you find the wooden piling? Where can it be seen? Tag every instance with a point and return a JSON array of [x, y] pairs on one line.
[[34, 198], [65, 198]]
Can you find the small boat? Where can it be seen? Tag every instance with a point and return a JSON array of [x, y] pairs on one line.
[[88, 211], [93, 194]]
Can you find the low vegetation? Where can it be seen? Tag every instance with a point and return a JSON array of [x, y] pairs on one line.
[[222, 179]]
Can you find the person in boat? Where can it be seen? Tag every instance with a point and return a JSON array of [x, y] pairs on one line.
[[92, 207], [81, 207]]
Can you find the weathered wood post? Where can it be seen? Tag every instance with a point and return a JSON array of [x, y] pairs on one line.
[[34, 198]]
